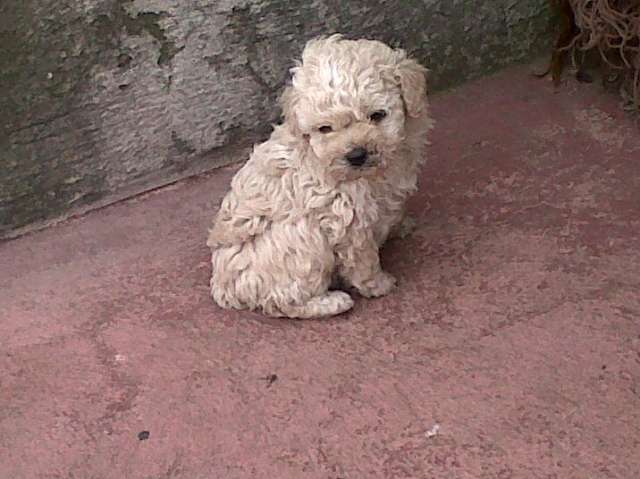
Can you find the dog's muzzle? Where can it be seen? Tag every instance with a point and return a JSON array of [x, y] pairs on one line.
[[357, 156]]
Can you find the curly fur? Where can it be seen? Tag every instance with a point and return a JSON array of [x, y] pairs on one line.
[[299, 216]]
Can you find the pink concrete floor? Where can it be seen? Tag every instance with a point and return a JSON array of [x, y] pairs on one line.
[[515, 328]]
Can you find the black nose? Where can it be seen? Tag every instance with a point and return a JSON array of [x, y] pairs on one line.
[[357, 156]]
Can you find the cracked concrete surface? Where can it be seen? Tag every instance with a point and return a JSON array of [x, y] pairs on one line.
[[510, 350]]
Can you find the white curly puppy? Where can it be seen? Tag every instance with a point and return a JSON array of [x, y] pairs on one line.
[[315, 202]]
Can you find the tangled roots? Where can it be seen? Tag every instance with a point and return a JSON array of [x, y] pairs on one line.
[[610, 27]]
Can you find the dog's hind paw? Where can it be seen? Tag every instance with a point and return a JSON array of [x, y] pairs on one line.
[[403, 229]]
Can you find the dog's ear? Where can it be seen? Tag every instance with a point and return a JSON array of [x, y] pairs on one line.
[[412, 78], [288, 102]]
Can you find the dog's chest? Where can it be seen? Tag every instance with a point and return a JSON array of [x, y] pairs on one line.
[[351, 208], [360, 199]]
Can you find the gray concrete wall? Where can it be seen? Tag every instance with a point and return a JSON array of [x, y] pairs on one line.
[[103, 99]]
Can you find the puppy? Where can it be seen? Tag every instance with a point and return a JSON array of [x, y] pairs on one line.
[[315, 202]]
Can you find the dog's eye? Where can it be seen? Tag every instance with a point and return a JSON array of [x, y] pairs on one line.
[[378, 116], [325, 129]]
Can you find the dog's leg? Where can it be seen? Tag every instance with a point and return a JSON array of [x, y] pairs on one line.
[[360, 267], [329, 304], [393, 224]]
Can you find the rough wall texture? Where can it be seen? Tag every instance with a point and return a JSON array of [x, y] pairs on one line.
[[102, 99]]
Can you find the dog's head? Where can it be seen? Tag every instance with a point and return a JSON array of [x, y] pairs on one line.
[[351, 100]]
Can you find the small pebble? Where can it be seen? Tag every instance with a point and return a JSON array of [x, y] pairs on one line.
[[270, 379], [433, 431], [144, 435]]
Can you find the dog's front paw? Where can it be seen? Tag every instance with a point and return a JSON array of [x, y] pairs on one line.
[[381, 285]]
